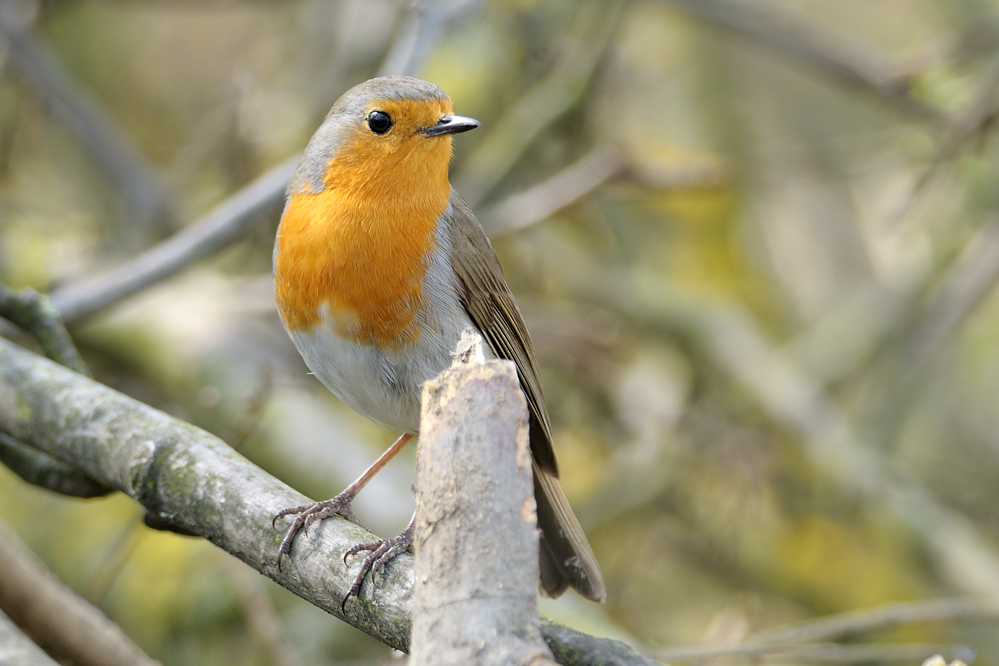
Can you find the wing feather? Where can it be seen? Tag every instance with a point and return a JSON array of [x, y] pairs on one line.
[[566, 556], [492, 308]]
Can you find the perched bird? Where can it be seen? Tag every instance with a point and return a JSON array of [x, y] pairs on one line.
[[379, 266]]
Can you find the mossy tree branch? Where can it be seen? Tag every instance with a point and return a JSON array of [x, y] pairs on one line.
[[195, 483], [35, 313]]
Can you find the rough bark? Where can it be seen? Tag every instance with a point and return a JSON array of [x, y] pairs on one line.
[[41, 469], [476, 571], [192, 481], [189, 480]]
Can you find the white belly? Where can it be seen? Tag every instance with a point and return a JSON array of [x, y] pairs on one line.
[[382, 384]]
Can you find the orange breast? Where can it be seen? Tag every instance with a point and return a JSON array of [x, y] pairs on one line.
[[362, 245]]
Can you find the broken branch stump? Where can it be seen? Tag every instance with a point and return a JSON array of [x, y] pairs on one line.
[[476, 539]]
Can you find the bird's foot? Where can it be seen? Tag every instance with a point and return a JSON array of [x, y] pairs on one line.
[[307, 514], [379, 553]]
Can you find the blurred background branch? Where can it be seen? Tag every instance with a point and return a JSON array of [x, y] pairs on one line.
[[148, 204], [422, 27], [780, 642], [792, 33], [546, 100], [856, 622], [16, 648], [226, 224], [832, 654], [67, 626]]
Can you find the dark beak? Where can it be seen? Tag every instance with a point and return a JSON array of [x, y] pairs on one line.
[[451, 125]]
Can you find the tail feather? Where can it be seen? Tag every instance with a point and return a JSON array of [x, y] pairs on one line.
[[566, 556], [552, 580]]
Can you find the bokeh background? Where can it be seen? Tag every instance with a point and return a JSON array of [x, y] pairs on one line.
[[756, 245]]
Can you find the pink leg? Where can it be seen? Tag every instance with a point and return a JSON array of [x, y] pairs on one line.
[[379, 553], [339, 505]]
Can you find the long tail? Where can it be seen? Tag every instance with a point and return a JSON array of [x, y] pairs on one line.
[[566, 556]]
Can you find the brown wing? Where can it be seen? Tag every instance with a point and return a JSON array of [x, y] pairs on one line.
[[566, 556], [491, 306]]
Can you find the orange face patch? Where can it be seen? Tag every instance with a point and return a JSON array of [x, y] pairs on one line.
[[362, 245]]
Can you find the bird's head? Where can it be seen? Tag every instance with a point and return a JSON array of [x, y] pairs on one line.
[[387, 133]]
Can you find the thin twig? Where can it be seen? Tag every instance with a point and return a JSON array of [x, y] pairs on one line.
[[955, 296], [830, 653], [958, 131], [978, 116], [262, 618], [961, 129], [572, 183], [780, 642], [548, 99], [549, 196], [116, 554], [819, 45], [249, 418], [855, 622], [422, 26], [224, 225]]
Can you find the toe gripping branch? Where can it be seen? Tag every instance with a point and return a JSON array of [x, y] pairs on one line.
[[380, 552], [307, 514]]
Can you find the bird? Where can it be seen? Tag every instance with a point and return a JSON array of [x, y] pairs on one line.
[[379, 265]]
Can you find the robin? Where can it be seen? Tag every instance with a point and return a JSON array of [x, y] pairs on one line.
[[379, 266]]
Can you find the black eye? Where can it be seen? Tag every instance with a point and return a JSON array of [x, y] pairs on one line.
[[379, 122]]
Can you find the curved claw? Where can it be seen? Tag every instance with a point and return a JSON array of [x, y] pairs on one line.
[[381, 552], [307, 514], [296, 509]]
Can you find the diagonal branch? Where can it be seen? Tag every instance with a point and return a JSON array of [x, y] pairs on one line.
[[562, 189], [193, 482], [16, 648]]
